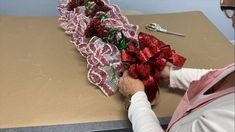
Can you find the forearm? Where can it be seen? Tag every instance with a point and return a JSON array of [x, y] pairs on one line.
[[140, 114], [181, 78]]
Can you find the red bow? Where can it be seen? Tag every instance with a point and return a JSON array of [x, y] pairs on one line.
[[148, 60]]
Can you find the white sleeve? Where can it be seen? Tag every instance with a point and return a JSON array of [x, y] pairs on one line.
[[140, 114], [181, 78]]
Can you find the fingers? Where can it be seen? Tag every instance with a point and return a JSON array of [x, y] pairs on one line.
[[128, 85], [125, 74], [121, 81], [123, 91], [121, 84]]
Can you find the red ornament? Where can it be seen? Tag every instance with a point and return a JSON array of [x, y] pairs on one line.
[[94, 29], [73, 4]]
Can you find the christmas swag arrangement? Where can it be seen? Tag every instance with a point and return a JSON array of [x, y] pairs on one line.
[[111, 45]]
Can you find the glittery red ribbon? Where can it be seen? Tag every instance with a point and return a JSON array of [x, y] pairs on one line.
[[147, 61]]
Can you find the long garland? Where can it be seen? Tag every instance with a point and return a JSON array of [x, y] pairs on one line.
[[111, 45]]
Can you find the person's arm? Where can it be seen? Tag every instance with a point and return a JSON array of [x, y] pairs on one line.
[[182, 77], [140, 114]]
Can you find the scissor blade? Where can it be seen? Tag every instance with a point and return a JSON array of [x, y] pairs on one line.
[[174, 33]]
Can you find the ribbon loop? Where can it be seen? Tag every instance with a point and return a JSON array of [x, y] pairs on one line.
[[148, 61]]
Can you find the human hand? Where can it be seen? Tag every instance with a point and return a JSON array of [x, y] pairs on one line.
[[165, 76], [165, 73], [129, 86]]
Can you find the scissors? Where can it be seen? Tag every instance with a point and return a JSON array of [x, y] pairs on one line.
[[157, 27]]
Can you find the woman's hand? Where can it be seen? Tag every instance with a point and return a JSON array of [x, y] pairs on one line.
[[128, 86], [165, 76], [165, 73]]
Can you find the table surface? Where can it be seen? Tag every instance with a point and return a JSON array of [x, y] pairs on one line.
[[43, 79]]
